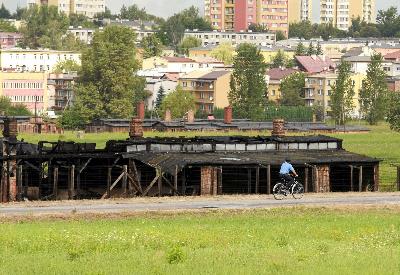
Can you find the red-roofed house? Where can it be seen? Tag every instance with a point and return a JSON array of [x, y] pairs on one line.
[[274, 79], [394, 56], [315, 64]]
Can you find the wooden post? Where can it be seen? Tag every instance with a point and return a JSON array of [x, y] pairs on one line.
[[125, 179], [71, 182], [159, 183], [269, 179], [219, 191], [351, 178], [183, 177], [109, 170], [19, 183], [315, 179], [55, 183], [306, 180], [176, 180], [78, 184], [257, 179], [360, 179], [248, 180]]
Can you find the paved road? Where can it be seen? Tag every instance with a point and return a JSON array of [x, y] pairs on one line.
[[225, 202]]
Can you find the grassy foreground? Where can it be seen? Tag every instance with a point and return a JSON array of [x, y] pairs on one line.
[[381, 143], [275, 241]]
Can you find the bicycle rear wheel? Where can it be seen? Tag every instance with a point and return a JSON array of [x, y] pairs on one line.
[[279, 191], [297, 191]]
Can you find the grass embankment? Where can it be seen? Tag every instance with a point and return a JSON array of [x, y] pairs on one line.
[[278, 241], [381, 143]]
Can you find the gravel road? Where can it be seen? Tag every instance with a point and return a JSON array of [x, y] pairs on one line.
[[193, 203]]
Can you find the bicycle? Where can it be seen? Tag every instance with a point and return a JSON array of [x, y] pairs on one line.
[[280, 190]]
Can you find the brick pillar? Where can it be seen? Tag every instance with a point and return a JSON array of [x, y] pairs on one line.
[[9, 172], [228, 115], [136, 128], [140, 110], [209, 181], [322, 179], [278, 128]]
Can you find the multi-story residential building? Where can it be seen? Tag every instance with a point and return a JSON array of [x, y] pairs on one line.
[[275, 77], [60, 87], [237, 15], [210, 88], [318, 89], [35, 60], [83, 34], [29, 89], [9, 39], [340, 12], [167, 82], [300, 10], [234, 38], [88, 8]]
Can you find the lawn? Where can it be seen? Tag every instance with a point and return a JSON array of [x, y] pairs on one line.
[[274, 241], [381, 143]]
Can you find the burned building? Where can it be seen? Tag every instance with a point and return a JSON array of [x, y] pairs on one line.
[[179, 166]]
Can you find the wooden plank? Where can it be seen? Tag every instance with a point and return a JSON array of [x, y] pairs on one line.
[[19, 182], [306, 179], [159, 185], [151, 184], [55, 183], [176, 181], [125, 179], [257, 179], [316, 179], [170, 184], [136, 175], [107, 194], [269, 179], [351, 178], [219, 191], [360, 179], [85, 165], [109, 174], [71, 182], [133, 182]]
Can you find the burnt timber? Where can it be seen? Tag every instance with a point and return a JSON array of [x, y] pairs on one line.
[[177, 166]]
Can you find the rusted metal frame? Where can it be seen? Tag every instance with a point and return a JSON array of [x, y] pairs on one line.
[[151, 183]]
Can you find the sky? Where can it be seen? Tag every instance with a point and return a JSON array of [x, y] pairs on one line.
[[165, 8]]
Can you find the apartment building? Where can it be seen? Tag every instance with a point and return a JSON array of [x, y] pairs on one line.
[[170, 64], [88, 8], [340, 12], [60, 90], [237, 15], [210, 88], [17, 59], [275, 77], [9, 39], [27, 88], [235, 38], [318, 90]]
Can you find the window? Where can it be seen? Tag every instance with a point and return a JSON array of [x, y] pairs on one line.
[[184, 84]]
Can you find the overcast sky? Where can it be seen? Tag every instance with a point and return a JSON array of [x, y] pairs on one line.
[[166, 8]]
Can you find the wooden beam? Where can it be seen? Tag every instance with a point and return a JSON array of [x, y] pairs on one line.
[[125, 179], [85, 165], [112, 186], [159, 185], [183, 184], [71, 182], [269, 179], [32, 166], [351, 178], [55, 182], [257, 179], [151, 184], [170, 184], [360, 179], [176, 181], [306, 171], [19, 182], [109, 174], [219, 190], [133, 181]]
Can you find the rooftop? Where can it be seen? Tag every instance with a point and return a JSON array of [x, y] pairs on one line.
[[315, 64], [280, 73]]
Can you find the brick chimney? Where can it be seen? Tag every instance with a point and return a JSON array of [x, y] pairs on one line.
[[136, 128], [228, 115], [140, 110], [190, 116], [167, 117], [278, 128], [10, 128]]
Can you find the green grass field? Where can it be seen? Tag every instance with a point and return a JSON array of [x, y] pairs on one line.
[[381, 143], [275, 241]]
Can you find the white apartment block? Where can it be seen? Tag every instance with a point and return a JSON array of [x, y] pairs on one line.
[[234, 38], [88, 8], [34, 60]]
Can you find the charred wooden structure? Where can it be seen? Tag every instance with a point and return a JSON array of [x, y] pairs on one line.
[[177, 166]]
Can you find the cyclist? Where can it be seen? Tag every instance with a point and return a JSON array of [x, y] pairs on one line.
[[284, 173]]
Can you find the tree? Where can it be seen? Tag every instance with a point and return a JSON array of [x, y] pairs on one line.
[[77, 20], [223, 52], [280, 60], [160, 97], [66, 66], [6, 26], [388, 22], [258, 27], [303, 29], [179, 102], [318, 50], [342, 94], [300, 50], [292, 90], [133, 12], [8, 109], [72, 43], [311, 49], [107, 85], [374, 91], [152, 46], [4, 13], [280, 35], [247, 84], [393, 112], [188, 43], [172, 30]]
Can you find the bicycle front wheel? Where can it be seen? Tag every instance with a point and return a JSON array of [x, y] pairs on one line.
[[297, 191], [279, 191]]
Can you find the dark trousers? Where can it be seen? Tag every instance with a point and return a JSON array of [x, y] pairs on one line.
[[288, 179]]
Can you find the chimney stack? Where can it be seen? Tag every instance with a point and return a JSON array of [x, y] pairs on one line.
[[167, 115], [228, 115], [140, 110], [136, 128], [10, 128], [278, 128], [190, 116]]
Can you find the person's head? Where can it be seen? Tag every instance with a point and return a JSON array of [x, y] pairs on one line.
[[288, 160]]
